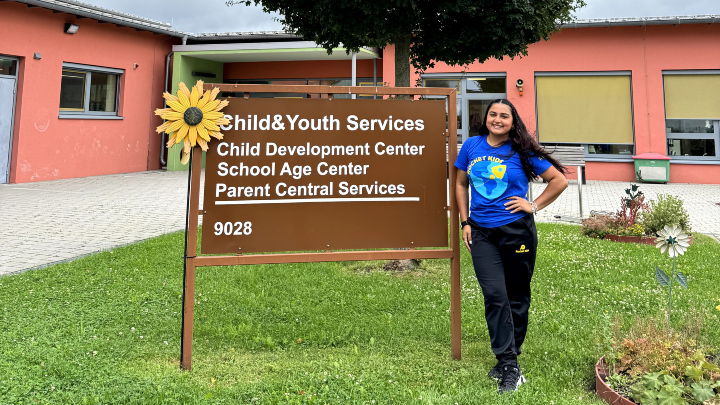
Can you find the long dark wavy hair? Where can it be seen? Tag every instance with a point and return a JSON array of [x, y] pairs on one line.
[[523, 143]]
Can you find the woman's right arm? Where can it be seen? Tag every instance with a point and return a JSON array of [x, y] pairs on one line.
[[461, 197]]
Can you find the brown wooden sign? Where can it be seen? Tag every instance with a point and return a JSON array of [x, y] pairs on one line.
[[329, 175], [318, 174]]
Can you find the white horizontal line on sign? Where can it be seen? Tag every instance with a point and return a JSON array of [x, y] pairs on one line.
[[315, 200]]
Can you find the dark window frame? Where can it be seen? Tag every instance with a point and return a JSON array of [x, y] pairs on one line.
[[85, 112], [670, 137], [463, 96]]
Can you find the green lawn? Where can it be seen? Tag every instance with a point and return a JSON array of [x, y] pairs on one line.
[[106, 328]]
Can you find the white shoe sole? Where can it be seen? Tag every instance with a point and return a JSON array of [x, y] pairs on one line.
[[522, 380]]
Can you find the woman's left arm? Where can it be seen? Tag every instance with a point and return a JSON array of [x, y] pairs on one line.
[[557, 183]]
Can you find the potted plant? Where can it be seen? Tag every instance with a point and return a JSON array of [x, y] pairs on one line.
[[659, 365]]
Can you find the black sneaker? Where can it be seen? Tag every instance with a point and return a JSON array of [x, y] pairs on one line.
[[511, 379], [495, 373]]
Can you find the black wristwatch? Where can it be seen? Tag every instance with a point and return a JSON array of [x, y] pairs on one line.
[[463, 223]]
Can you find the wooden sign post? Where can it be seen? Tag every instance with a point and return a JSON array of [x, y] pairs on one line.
[[334, 174]]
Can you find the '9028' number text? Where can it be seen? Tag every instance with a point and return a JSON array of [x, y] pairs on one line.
[[233, 228]]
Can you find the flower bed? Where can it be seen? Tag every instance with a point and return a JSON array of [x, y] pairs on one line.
[[635, 239], [637, 221], [659, 370], [654, 364], [603, 390]]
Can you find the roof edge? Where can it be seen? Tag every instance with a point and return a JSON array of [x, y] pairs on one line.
[[102, 14], [641, 21], [262, 46]]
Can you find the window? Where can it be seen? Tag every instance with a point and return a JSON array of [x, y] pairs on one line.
[[485, 85], [692, 139], [8, 67], [692, 115], [442, 83], [89, 91], [592, 109], [609, 149], [72, 91], [474, 93]]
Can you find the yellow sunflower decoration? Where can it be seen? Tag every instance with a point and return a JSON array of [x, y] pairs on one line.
[[191, 119]]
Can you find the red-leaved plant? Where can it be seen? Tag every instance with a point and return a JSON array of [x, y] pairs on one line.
[[631, 207]]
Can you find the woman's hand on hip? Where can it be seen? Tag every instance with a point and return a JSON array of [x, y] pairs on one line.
[[467, 236], [517, 204]]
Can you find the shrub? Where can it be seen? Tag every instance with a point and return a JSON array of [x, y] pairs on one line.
[[666, 210], [598, 225]]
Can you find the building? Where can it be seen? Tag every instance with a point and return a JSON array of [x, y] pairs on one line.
[[83, 102], [269, 58], [617, 87], [77, 88]]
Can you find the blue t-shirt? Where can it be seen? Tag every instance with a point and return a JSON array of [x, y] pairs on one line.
[[495, 173]]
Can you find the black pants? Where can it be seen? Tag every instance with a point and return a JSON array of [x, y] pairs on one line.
[[504, 260]]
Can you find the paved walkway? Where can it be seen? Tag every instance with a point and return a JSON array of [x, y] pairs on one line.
[[55, 221]]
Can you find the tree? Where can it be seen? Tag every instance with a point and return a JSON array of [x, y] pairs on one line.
[[456, 32]]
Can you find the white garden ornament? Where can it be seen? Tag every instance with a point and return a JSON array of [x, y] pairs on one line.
[[673, 240]]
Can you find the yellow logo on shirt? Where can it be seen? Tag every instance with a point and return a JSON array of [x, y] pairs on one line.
[[522, 249], [498, 172]]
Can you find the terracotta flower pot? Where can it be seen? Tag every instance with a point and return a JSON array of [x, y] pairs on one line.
[[635, 239], [603, 390]]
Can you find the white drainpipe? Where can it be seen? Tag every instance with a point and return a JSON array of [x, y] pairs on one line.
[[354, 71]]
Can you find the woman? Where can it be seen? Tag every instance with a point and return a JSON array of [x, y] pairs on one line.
[[499, 231]]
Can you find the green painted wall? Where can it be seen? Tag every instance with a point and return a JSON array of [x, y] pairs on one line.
[[183, 66]]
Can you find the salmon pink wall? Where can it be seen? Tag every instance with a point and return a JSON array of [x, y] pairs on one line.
[[610, 171], [300, 69], [703, 174], [644, 51], [46, 147], [605, 171]]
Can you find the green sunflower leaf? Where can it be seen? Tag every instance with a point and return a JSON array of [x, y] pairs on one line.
[[681, 279], [661, 277]]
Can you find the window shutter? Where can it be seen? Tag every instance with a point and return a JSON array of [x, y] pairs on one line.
[[584, 109]]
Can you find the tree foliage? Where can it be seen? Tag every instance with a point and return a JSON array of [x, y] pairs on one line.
[[456, 32]]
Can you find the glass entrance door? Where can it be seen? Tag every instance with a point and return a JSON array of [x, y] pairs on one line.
[[474, 94], [479, 92], [476, 115], [8, 78]]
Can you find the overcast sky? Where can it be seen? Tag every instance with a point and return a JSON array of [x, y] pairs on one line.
[[214, 16]]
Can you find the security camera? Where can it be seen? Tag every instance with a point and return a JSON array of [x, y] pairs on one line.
[[519, 82]]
